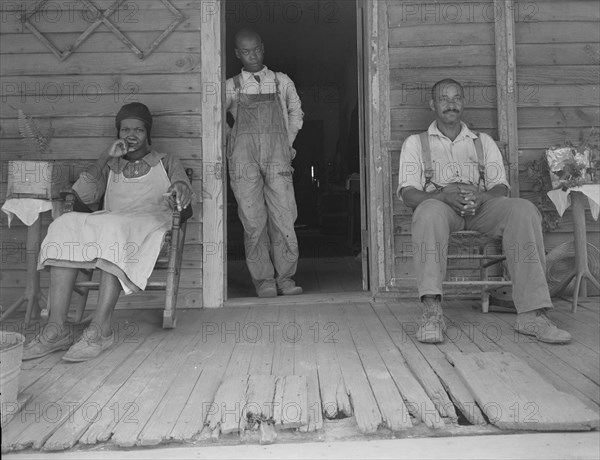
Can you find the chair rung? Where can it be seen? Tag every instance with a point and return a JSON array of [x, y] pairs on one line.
[[79, 291], [476, 256], [87, 284], [478, 283], [156, 286]]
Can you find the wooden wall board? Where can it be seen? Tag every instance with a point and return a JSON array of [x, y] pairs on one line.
[[152, 23], [514, 396], [165, 126], [98, 63], [99, 102], [21, 43]]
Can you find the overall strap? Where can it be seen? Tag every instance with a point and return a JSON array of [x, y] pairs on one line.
[[426, 156], [480, 159], [237, 83], [276, 84]]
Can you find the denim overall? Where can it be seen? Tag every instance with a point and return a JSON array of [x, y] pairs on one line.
[[259, 158]]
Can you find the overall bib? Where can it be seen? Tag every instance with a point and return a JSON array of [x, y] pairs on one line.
[[259, 158]]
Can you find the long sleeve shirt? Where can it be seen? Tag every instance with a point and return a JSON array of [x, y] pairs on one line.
[[290, 101], [91, 184], [453, 161]]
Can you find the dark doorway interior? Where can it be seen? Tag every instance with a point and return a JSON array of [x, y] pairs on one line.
[[315, 44]]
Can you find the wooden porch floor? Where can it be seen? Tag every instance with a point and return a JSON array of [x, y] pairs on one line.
[[365, 374]]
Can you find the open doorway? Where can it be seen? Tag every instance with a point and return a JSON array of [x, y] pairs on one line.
[[315, 43]]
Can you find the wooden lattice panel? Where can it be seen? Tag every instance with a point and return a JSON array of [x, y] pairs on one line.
[[101, 17]]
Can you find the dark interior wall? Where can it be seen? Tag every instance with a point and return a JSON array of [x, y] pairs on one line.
[[314, 42]]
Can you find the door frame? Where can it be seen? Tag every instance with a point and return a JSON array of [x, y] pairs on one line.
[[374, 135], [378, 186], [212, 53]]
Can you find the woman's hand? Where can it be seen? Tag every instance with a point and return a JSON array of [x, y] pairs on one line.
[[180, 195], [118, 148]]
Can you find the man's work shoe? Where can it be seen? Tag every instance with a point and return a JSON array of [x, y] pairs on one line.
[[89, 346], [432, 326], [289, 288], [537, 324], [267, 291], [41, 345]]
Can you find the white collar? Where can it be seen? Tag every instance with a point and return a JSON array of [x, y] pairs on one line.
[[261, 73], [464, 132]]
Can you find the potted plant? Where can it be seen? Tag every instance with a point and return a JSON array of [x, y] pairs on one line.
[[35, 177]]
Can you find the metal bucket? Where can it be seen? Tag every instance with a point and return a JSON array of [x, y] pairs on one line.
[[11, 352]]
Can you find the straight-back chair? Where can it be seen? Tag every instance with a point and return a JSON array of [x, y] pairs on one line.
[[487, 252], [169, 259]]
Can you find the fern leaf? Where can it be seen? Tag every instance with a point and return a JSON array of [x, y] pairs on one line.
[[32, 136]]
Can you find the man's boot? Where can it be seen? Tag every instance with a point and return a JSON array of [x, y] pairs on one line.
[[432, 326]]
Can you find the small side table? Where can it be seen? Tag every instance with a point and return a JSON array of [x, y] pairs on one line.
[[581, 271], [30, 211], [33, 294]]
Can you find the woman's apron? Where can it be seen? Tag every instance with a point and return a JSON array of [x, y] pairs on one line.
[[123, 239]]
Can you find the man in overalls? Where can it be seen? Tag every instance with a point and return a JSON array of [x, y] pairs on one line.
[[268, 115], [454, 179]]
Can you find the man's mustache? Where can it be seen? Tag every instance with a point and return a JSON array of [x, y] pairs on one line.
[[450, 110]]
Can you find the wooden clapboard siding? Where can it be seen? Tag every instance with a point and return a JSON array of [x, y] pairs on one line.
[[556, 90], [560, 108], [78, 98], [429, 41]]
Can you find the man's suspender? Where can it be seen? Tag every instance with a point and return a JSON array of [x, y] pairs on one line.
[[426, 155]]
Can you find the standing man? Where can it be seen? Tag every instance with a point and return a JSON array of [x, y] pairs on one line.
[[454, 179], [268, 115]]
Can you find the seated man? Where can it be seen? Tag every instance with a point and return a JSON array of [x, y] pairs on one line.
[[123, 240], [457, 182]]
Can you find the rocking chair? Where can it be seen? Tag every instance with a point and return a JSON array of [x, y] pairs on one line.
[[169, 259]]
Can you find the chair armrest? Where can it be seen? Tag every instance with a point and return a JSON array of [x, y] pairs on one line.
[[72, 202], [188, 212]]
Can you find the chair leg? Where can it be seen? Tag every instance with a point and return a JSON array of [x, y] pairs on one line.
[[173, 275], [485, 301]]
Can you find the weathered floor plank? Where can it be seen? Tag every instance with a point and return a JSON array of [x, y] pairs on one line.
[[458, 392], [167, 412], [343, 351], [514, 396], [55, 403], [191, 421], [70, 432], [334, 394], [123, 400], [364, 404], [496, 335], [418, 365], [393, 411], [417, 401], [305, 363]]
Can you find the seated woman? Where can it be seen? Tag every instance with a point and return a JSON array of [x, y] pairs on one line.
[[123, 240]]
